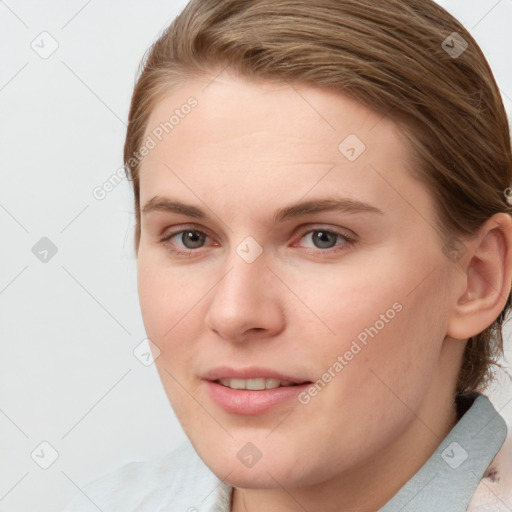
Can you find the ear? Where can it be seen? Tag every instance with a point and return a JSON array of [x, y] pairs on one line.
[[484, 274]]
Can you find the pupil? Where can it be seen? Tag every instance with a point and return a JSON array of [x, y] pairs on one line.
[[192, 239], [321, 239]]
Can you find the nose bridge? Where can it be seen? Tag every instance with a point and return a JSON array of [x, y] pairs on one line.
[[243, 299], [246, 272]]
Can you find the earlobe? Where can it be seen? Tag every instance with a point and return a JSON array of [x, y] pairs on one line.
[[487, 275]]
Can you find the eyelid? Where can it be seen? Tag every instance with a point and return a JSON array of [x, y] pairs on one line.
[[175, 230], [337, 230]]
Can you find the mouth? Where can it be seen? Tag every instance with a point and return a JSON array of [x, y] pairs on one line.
[[256, 384], [252, 391]]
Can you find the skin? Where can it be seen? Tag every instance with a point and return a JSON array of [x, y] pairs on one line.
[[247, 150]]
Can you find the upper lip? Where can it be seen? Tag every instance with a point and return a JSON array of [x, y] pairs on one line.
[[253, 372]]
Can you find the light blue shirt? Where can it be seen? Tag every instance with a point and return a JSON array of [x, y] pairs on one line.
[[181, 482]]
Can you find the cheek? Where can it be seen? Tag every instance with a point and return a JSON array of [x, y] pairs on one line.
[[346, 306], [169, 307], [374, 372], [164, 296], [381, 328]]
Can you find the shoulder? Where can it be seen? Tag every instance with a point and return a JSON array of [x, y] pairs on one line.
[[494, 492], [179, 479]]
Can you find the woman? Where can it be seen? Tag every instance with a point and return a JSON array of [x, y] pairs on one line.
[[324, 251]]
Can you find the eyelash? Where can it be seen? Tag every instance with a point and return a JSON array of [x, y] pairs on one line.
[[348, 240]]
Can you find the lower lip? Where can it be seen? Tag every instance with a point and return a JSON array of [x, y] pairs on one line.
[[251, 403]]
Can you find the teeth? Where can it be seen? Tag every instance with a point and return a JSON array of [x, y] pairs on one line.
[[255, 384]]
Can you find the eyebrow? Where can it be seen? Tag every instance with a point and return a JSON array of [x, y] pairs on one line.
[[340, 204]]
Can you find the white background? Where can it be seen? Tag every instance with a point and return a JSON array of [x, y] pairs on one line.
[[69, 326]]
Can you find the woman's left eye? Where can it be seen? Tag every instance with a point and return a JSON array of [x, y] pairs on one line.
[[327, 238]]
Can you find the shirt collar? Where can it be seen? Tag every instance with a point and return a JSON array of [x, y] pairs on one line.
[[450, 476]]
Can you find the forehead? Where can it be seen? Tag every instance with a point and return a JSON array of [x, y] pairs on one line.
[[227, 110], [265, 139]]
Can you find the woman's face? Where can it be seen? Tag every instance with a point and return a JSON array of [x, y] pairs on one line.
[[283, 239]]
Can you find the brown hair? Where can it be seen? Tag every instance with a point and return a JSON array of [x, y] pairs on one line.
[[398, 57]]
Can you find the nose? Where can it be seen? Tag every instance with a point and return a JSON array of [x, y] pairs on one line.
[[246, 302]]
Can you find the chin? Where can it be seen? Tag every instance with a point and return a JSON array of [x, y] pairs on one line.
[[278, 469]]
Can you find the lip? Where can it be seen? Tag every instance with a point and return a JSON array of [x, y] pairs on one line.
[[252, 372], [250, 402]]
